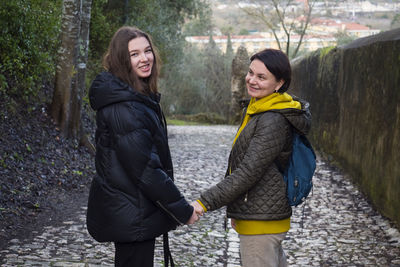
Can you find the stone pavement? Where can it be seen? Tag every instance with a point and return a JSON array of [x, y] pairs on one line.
[[336, 227]]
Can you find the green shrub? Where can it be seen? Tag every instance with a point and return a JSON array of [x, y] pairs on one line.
[[28, 45]]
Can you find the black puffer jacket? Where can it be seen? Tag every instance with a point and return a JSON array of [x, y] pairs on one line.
[[133, 196], [255, 189]]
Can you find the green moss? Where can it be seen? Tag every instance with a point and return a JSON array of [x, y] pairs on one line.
[[196, 119], [324, 51], [180, 122], [324, 135]]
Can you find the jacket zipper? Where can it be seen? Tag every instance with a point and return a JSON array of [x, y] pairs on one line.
[[169, 213], [243, 116]]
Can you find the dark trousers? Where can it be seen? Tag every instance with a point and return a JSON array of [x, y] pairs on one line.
[[135, 254]]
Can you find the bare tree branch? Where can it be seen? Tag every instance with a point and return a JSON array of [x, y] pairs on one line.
[[282, 20], [266, 19], [303, 32]]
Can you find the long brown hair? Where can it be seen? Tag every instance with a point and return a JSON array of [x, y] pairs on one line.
[[117, 60]]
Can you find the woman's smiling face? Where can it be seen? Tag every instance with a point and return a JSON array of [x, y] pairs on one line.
[[260, 82], [142, 56]]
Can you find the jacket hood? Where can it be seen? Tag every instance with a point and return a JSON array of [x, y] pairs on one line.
[[294, 109], [300, 119], [107, 89]]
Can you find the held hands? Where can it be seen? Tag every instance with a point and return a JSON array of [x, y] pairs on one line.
[[197, 212], [198, 208]]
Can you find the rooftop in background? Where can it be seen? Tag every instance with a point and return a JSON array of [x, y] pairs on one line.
[[321, 33]]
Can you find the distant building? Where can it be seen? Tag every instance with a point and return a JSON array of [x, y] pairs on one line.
[[321, 26], [320, 33], [250, 42], [255, 43]]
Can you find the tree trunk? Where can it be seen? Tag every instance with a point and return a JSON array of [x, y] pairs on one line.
[[71, 67]]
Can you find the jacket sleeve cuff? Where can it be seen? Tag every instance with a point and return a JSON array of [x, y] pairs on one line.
[[202, 205]]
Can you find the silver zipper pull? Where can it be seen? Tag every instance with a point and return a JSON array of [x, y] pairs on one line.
[[245, 197]]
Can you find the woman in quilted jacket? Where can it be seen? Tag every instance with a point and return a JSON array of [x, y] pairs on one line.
[[132, 198], [253, 189]]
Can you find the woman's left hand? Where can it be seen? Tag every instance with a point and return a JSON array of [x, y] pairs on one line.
[[194, 218], [198, 208]]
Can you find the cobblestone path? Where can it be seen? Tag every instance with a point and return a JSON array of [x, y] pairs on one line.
[[336, 227]]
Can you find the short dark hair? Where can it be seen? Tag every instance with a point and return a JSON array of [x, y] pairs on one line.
[[117, 60], [278, 64]]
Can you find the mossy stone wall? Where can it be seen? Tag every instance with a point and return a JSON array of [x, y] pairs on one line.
[[354, 92]]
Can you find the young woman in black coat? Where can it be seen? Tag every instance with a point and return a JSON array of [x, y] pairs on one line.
[[133, 198]]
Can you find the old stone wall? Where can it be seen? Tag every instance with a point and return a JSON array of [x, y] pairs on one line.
[[354, 92]]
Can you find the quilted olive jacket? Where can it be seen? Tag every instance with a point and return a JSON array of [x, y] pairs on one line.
[[254, 189]]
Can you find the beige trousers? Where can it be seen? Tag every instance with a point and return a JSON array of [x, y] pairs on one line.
[[262, 250]]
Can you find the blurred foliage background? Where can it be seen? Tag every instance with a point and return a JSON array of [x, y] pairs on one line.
[[28, 45], [192, 81]]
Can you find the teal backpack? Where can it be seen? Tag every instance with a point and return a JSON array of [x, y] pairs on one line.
[[299, 170]]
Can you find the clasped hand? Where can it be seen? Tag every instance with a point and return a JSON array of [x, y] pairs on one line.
[[197, 212]]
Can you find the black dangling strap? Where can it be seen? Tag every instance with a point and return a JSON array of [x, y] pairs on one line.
[[167, 252]]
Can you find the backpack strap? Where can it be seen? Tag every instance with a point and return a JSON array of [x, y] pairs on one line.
[[277, 163]]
